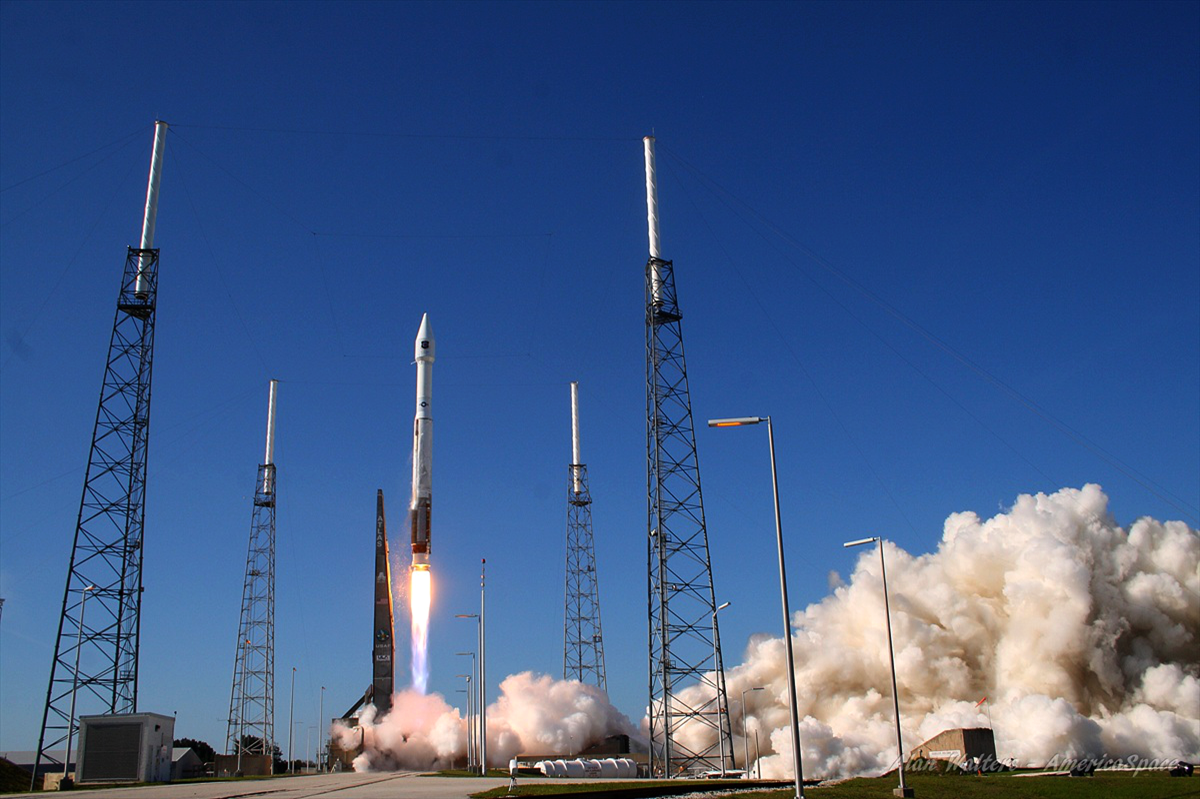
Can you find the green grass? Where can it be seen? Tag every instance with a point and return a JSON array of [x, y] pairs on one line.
[[616, 789], [1104, 785]]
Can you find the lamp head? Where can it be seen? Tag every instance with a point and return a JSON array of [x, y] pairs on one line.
[[736, 421]]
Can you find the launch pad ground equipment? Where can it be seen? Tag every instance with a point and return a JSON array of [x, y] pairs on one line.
[[95, 665], [583, 640], [685, 646], [251, 728]]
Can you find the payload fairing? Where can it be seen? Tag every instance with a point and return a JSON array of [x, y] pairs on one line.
[[422, 461]]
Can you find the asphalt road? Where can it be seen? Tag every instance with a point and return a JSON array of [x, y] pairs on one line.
[[392, 785]]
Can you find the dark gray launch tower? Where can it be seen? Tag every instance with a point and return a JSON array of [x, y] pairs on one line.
[[95, 665], [685, 647], [383, 673]]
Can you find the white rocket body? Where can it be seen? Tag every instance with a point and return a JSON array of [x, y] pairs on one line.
[[422, 460]]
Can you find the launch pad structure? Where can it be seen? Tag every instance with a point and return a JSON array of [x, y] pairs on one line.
[[685, 646], [251, 728], [583, 641], [383, 647], [95, 665]]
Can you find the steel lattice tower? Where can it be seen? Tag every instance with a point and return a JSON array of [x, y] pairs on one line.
[[685, 646], [583, 641], [95, 665], [251, 729]]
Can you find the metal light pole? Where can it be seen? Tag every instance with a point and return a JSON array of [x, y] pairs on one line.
[[291, 712], [321, 731], [720, 680], [75, 689], [470, 750], [472, 721], [481, 746], [787, 621], [482, 668], [903, 790], [745, 734]]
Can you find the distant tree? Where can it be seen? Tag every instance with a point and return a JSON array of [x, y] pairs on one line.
[[205, 752], [254, 745]]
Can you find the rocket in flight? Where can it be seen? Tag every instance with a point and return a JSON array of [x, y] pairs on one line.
[[422, 461]]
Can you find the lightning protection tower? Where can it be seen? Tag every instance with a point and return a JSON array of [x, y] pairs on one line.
[[251, 728], [583, 642], [95, 665], [685, 647]]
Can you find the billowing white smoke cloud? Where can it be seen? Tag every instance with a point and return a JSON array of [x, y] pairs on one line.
[[534, 714], [1085, 638]]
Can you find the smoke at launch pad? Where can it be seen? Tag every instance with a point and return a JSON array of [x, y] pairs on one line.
[[1083, 636]]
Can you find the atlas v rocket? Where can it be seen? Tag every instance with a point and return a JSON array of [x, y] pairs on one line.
[[422, 461]]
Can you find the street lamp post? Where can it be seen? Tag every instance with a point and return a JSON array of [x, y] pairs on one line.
[[75, 683], [720, 673], [473, 718], [480, 707], [903, 790], [321, 760], [787, 621], [745, 733], [291, 713], [470, 748], [482, 668]]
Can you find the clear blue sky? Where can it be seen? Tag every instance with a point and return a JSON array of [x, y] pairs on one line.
[[857, 198]]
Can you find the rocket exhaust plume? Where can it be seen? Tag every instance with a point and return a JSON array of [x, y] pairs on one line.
[[420, 597], [534, 713], [1081, 633], [420, 578]]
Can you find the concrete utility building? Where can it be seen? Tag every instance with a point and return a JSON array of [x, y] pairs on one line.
[[127, 747], [955, 746]]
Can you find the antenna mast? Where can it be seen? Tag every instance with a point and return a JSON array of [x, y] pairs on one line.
[[684, 642], [583, 643], [95, 665]]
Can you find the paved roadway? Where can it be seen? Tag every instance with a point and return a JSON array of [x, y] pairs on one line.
[[389, 785], [343, 785]]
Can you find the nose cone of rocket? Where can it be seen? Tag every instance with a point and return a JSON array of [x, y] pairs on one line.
[[424, 349]]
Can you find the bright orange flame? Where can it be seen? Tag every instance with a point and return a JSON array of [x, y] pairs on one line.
[[420, 597]]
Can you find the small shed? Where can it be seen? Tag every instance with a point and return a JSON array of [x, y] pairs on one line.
[[185, 763], [958, 745], [126, 747]]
